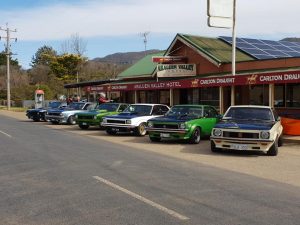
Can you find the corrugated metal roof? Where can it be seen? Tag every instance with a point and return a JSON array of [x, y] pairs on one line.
[[144, 67], [215, 48]]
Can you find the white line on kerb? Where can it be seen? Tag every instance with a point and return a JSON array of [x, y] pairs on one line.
[[145, 200], [5, 134]]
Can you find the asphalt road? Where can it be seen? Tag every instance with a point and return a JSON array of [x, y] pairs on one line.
[[49, 176]]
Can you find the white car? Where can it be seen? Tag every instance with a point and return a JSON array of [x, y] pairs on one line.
[[134, 118], [250, 128]]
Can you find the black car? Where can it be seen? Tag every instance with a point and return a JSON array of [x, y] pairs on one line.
[[39, 113]]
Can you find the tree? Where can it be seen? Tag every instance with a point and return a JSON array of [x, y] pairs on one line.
[[65, 67], [3, 58], [76, 45], [44, 56]]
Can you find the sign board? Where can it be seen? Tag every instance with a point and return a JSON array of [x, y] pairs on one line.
[[176, 70], [168, 59], [220, 13]]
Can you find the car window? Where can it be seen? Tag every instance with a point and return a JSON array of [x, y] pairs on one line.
[[122, 107], [157, 110], [139, 109], [110, 107], [249, 113]]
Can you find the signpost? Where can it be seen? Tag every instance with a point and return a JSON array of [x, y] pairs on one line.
[[221, 14]]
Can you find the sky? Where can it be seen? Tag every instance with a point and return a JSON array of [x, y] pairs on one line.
[[111, 26]]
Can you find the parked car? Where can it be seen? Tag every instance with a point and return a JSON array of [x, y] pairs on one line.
[[250, 128], [184, 122], [134, 118], [67, 114], [94, 117], [39, 113]]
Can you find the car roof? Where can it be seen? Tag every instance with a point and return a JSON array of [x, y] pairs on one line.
[[149, 104], [250, 106]]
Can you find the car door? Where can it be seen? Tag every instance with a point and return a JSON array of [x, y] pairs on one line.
[[210, 119]]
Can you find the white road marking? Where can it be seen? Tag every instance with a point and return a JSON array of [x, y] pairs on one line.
[[145, 200], [5, 134]]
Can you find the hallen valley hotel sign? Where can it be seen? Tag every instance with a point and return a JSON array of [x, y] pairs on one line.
[[176, 70], [250, 79]]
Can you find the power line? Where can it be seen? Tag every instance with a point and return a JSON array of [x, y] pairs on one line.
[[8, 54]]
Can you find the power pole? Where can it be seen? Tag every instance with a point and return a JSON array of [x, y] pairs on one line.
[[8, 54]]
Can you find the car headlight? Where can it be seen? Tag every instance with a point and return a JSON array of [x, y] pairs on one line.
[[95, 117], [76, 116], [150, 124], [264, 134], [217, 132], [104, 120], [61, 114], [128, 121], [182, 126]]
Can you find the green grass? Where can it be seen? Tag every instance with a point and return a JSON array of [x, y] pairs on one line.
[[14, 109]]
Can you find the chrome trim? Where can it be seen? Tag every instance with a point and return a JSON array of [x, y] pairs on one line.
[[167, 130]]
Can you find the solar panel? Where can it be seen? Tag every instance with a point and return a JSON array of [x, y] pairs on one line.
[[266, 49]]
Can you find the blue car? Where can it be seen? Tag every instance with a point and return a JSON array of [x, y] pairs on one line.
[[39, 113]]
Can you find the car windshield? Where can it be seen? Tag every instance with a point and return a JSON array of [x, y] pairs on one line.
[[246, 113], [111, 107], [139, 109], [54, 104], [76, 105], [186, 111]]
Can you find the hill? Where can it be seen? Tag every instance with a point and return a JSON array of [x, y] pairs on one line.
[[292, 39], [125, 58]]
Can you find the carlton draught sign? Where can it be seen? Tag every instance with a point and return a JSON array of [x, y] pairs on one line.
[[176, 70]]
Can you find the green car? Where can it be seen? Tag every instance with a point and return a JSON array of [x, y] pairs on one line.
[[184, 122], [94, 117]]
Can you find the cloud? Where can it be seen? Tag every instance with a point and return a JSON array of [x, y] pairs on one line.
[[127, 17]]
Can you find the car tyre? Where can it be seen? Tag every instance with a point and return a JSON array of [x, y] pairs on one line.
[[273, 151], [71, 120], [83, 127], [141, 130], [196, 136], [280, 141], [213, 147], [110, 131], [155, 139]]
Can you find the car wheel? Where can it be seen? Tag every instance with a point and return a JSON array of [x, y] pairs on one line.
[[141, 130], [196, 136], [110, 131], [154, 139], [273, 151], [83, 127], [71, 120], [280, 141], [213, 147]]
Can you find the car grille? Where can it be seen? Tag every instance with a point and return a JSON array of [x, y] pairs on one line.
[[166, 126], [53, 114], [85, 117], [116, 121], [240, 135]]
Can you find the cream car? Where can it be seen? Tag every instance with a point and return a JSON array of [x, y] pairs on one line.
[[249, 128]]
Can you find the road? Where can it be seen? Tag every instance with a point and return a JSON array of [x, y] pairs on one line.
[[50, 176]]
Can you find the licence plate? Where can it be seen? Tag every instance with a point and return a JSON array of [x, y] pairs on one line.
[[164, 135], [239, 146], [115, 129], [84, 123]]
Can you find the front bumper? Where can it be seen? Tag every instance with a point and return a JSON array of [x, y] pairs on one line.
[[119, 127], [242, 144], [59, 119], [179, 134]]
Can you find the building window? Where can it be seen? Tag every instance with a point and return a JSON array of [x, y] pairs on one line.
[[287, 96], [259, 95], [209, 96]]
